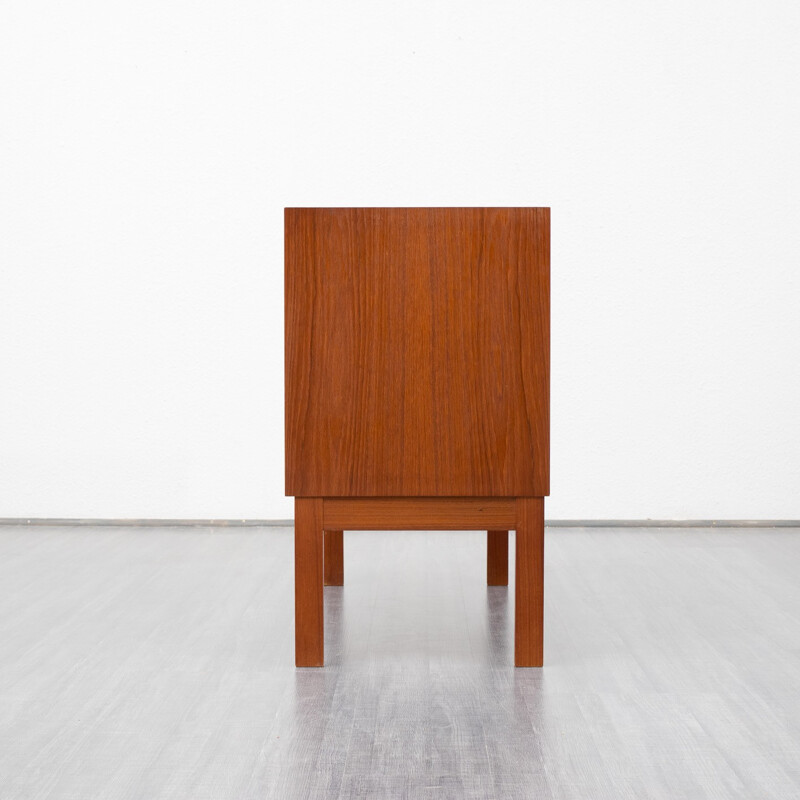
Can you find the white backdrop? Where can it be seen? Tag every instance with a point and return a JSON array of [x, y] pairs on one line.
[[147, 151]]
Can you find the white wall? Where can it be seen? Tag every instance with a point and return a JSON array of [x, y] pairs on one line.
[[147, 151]]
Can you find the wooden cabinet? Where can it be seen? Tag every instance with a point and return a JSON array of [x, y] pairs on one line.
[[417, 389]]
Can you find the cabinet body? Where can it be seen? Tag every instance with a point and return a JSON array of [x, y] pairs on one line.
[[417, 352], [417, 358]]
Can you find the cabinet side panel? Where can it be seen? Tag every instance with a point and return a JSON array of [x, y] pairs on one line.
[[410, 341]]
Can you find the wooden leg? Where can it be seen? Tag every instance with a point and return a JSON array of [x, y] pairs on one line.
[[497, 558], [309, 646], [334, 558], [529, 594]]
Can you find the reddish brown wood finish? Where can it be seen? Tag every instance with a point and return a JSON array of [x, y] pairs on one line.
[[417, 390], [333, 560], [497, 558], [417, 351], [418, 513], [529, 583], [308, 612]]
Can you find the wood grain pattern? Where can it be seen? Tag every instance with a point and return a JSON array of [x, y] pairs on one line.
[[529, 579], [333, 559], [418, 513], [417, 351], [308, 612], [497, 558]]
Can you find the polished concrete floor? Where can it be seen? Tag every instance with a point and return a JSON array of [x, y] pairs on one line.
[[158, 663]]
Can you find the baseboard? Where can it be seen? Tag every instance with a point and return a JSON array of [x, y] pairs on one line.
[[672, 523], [150, 523], [287, 523]]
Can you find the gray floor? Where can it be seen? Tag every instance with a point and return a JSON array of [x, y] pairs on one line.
[[155, 663]]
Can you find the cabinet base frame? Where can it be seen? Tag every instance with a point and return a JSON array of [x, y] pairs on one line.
[[319, 557]]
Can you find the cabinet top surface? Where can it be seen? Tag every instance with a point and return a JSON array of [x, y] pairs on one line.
[[417, 351], [324, 209]]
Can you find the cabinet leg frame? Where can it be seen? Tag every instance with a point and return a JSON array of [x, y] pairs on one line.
[[308, 608], [319, 557], [497, 558], [333, 560], [529, 583]]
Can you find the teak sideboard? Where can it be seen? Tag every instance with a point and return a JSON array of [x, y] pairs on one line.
[[417, 391]]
